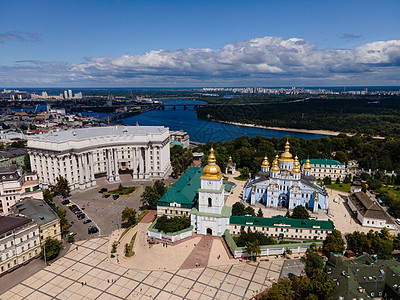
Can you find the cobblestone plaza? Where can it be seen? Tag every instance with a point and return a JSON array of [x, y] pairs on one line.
[[86, 273]]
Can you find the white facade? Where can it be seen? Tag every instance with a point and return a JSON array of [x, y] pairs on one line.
[[368, 212], [212, 216], [81, 155], [16, 185], [19, 241], [285, 185]]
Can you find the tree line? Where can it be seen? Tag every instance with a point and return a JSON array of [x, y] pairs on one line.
[[377, 116], [382, 154]]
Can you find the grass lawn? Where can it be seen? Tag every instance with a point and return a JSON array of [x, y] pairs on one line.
[[240, 178], [138, 219], [343, 187], [128, 247], [394, 192], [123, 190]]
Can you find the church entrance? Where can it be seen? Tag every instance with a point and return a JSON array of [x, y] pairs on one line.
[[209, 231], [283, 199]]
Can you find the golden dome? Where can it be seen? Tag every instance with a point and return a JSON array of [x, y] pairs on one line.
[[307, 166], [286, 156], [275, 167], [212, 170], [230, 159], [265, 163], [296, 166]]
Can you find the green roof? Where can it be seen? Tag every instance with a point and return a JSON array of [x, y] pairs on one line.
[[280, 221], [317, 161], [227, 187], [185, 190], [372, 275]]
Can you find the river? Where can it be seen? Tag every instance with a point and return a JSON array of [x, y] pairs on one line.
[[201, 130]]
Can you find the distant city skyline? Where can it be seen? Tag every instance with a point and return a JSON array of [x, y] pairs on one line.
[[199, 44]]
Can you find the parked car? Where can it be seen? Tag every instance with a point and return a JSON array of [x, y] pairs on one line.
[[78, 212], [81, 216], [103, 190], [69, 204], [93, 229], [65, 202], [106, 196], [73, 207], [71, 233], [115, 197], [87, 221]]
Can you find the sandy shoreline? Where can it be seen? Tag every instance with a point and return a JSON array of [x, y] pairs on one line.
[[313, 131]]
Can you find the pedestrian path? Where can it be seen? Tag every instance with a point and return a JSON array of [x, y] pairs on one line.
[[199, 255]]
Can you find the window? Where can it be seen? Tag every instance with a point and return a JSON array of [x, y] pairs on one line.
[[209, 202]]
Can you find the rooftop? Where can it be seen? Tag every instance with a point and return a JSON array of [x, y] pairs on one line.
[[368, 208], [8, 223], [358, 278], [36, 209], [86, 133], [317, 161], [185, 189], [280, 221]]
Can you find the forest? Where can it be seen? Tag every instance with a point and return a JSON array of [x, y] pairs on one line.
[[365, 115]]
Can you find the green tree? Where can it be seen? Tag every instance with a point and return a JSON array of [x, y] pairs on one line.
[[300, 212], [249, 211], [152, 194], [63, 220], [327, 180], [173, 224], [238, 209], [313, 261], [253, 248], [337, 180], [177, 168], [333, 243], [129, 216], [358, 242], [281, 290], [244, 172], [48, 196], [27, 163], [61, 187], [260, 213], [51, 247]]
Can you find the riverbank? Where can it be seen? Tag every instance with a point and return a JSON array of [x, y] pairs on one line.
[[310, 131]]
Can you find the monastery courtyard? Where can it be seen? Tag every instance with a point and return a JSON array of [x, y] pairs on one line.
[[87, 273]]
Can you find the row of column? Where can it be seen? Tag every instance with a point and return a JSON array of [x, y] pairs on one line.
[[82, 165]]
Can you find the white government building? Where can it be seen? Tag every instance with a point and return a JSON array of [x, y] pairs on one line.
[[81, 155]]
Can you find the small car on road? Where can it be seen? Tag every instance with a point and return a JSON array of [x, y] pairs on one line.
[[93, 229], [87, 221]]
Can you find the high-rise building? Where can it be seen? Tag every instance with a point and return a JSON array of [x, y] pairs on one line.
[[69, 94], [65, 95], [44, 95]]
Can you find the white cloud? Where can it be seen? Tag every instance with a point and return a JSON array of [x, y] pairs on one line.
[[265, 61]]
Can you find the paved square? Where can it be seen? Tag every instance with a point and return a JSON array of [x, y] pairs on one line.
[[86, 273]]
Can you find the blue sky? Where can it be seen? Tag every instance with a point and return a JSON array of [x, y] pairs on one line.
[[199, 43]]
